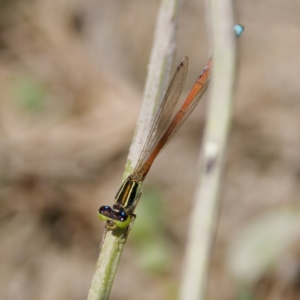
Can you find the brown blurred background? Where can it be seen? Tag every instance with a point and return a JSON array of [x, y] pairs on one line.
[[71, 81]]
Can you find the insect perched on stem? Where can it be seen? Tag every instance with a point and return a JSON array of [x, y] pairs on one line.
[[162, 130]]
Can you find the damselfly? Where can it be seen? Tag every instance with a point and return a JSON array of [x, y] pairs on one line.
[[162, 130]]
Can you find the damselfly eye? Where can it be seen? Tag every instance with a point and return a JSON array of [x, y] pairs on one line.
[[123, 220], [104, 212], [104, 209], [122, 216]]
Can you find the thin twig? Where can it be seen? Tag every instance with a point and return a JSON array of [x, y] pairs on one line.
[[204, 214], [158, 76]]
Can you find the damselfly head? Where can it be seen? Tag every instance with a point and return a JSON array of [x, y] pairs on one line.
[[114, 218]]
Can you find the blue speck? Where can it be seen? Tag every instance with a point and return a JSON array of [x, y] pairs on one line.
[[238, 29]]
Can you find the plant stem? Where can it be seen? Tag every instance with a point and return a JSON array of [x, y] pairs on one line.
[[212, 155], [157, 79]]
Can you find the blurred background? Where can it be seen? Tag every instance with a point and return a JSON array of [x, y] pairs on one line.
[[72, 75]]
